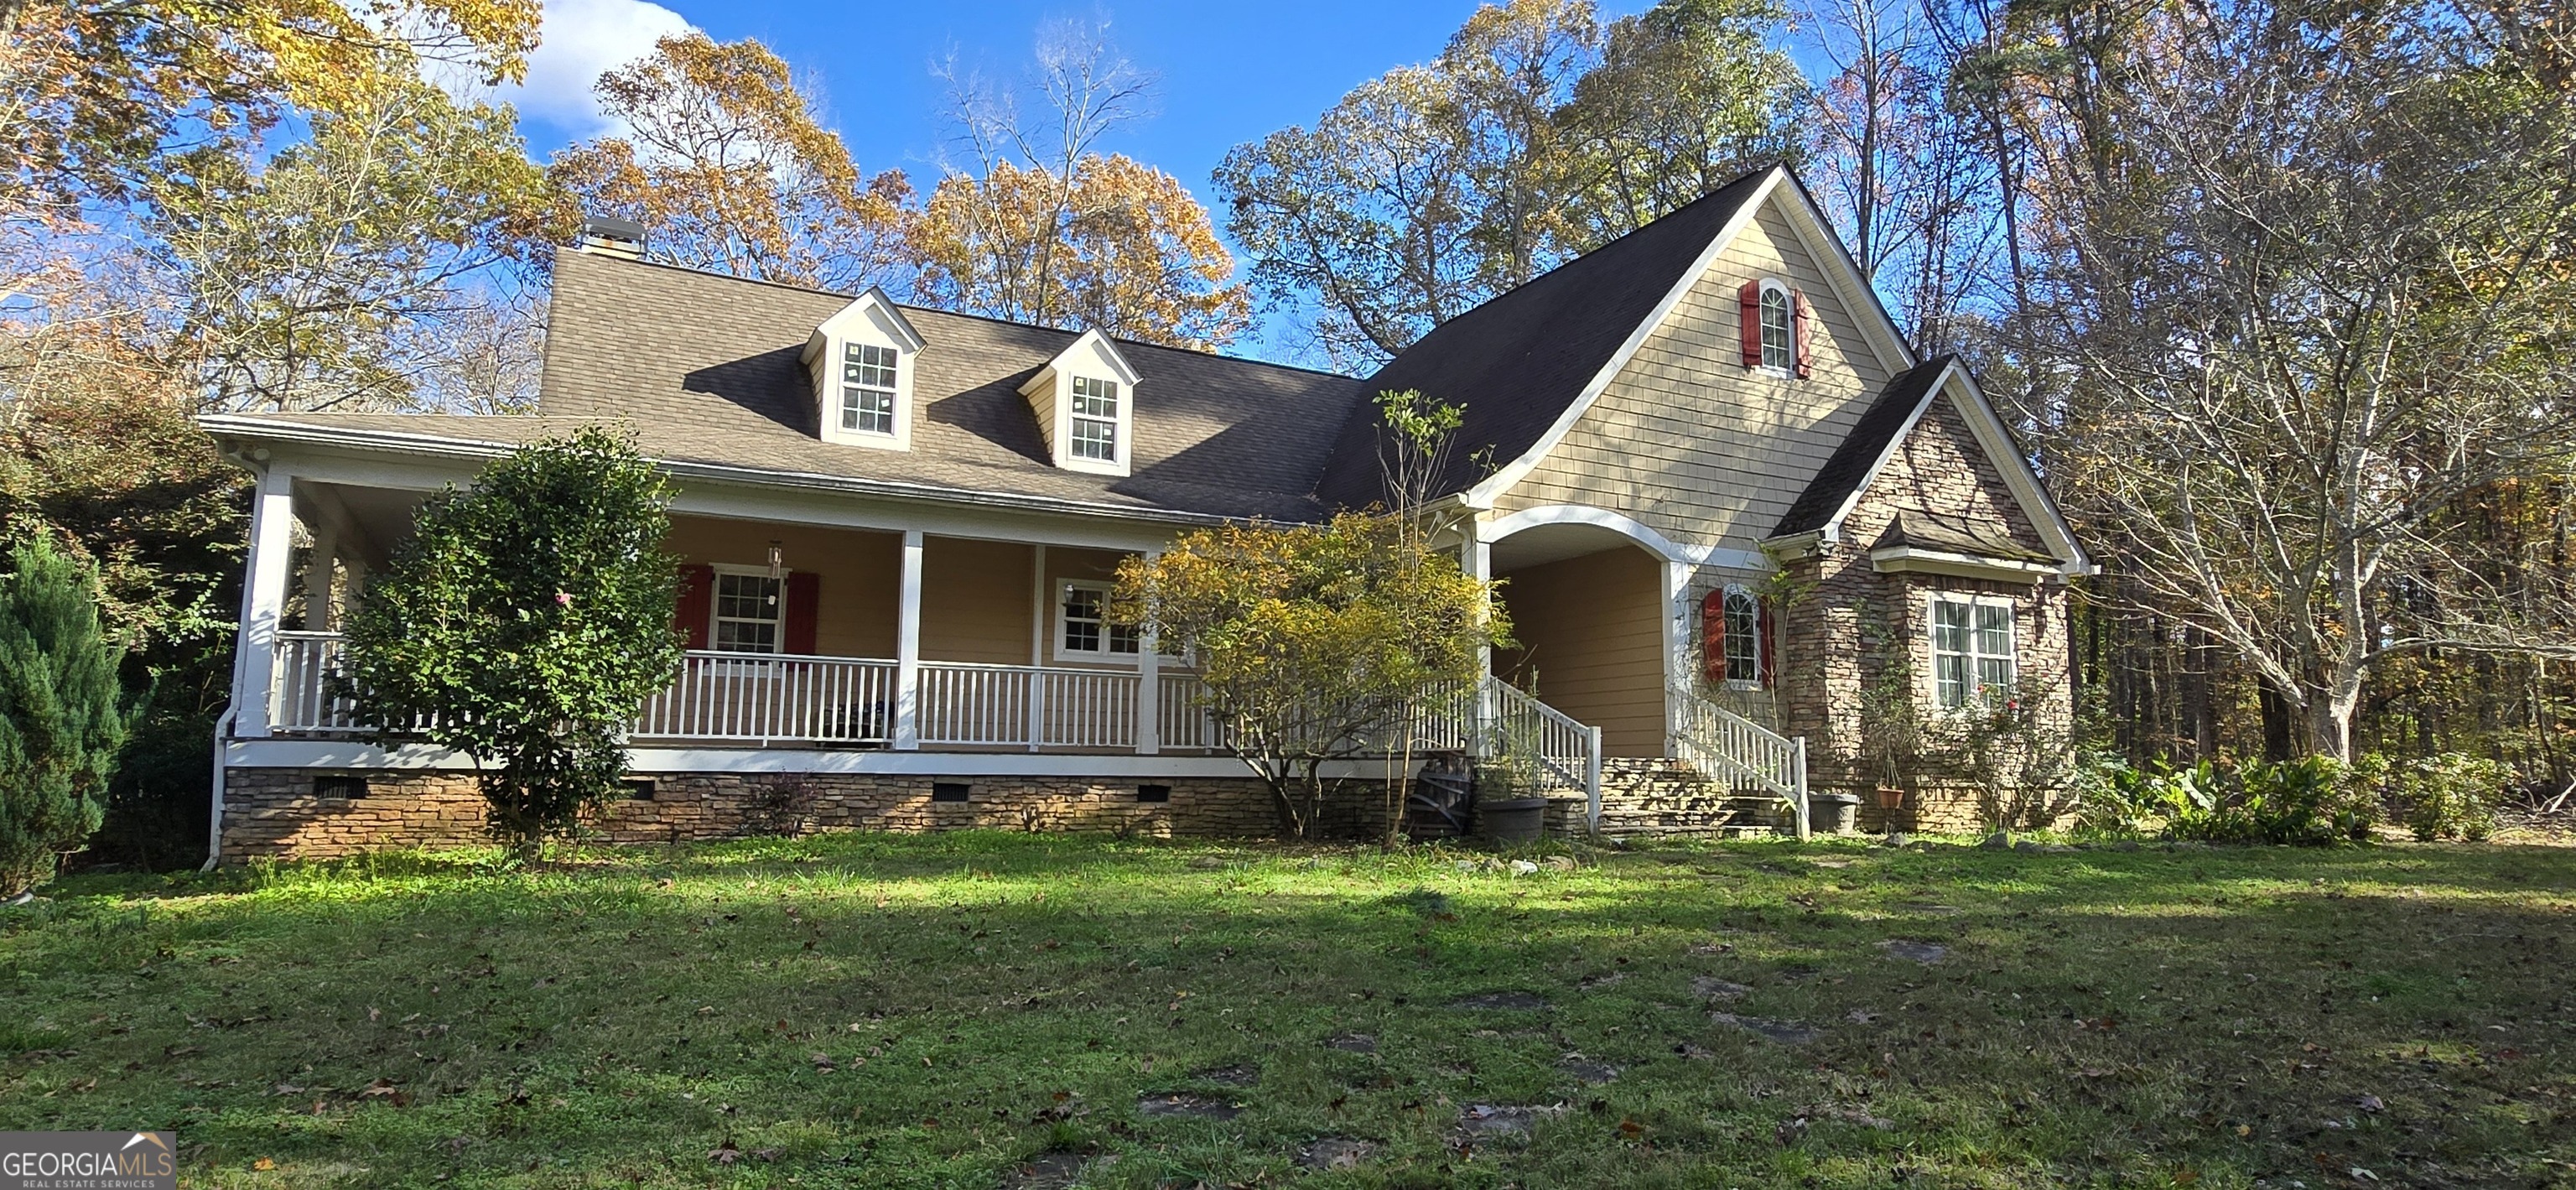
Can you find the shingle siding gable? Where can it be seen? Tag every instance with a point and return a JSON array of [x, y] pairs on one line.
[[1685, 438]]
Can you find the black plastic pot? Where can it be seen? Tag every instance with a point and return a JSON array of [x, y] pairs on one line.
[[1838, 813], [1511, 819]]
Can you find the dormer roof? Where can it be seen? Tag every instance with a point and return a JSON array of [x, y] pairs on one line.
[[871, 309]]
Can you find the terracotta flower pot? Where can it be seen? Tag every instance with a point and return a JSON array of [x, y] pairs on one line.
[[1890, 798]]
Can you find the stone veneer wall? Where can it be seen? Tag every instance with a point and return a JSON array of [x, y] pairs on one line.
[[1846, 625], [275, 813]]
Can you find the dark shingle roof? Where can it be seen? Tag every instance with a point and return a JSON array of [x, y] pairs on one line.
[[705, 369], [1516, 362], [1869, 439]]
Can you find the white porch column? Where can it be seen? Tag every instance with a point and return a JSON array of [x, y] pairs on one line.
[[317, 577], [1476, 557], [907, 647], [272, 539], [1678, 680], [1149, 687], [1038, 595]]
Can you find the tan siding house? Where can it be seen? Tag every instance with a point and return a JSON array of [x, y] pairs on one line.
[[1724, 501]]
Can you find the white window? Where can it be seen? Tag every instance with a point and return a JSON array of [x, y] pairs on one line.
[[750, 608], [1084, 629], [867, 388], [1743, 629], [1779, 345], [1095, 419], [1972, 649]]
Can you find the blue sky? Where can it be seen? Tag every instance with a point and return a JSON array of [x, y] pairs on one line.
[[1228, 72], [1225, 73]]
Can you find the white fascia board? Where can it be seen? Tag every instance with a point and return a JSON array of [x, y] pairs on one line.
[[1484, 494], [1858, 296], [474, 451], [1645, 535], [1997, 440], [888, 318], [1902, 558]]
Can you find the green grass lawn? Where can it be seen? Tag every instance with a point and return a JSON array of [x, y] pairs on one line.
[[1012, 1010]]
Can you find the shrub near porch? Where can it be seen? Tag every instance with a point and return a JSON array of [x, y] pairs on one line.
[[944, 1011]]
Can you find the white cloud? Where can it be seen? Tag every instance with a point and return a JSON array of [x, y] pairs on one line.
[[582, 40]]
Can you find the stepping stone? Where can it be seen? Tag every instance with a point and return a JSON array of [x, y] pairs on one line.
[[1585, 1070], [1046, 1171], [1784, 1032], [1589, 982], [1710, 987], [1926, 953], [1861, 1016], [1228, 1076], [1336, 1152], [1507, 1001], [1352, 1043], [1488, 1120], [1186, 1104]]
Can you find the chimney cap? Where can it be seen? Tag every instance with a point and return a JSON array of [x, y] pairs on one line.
[[610, 227]]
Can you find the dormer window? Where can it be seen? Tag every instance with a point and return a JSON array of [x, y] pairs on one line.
[[1095, 419], [861, 361], [868, 388], [1085, 402]]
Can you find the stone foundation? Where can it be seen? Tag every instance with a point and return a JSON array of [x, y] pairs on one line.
[[297, 813]]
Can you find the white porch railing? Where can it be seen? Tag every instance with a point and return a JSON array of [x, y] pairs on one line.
[[773, 698], [302, 699], [1726, 745], [1005, 706], [1513, 722]]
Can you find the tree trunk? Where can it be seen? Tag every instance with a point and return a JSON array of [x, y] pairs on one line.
[[2329, 726], [2280, 716]]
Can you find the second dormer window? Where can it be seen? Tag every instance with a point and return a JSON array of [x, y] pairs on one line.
[[1095, 419], [867, 388]]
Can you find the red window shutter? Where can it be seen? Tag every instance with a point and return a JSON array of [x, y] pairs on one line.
[[804, 609], [1767, 627], [1801, 316], [1712, 632], [697, 604], [1748, 301]]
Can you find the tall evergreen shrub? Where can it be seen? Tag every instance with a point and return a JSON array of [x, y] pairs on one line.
[[63, 717]]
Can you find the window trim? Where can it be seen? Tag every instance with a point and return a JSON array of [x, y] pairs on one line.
[[1104, 656], [843, 387], [1788, 367], [716, 616], [1971, 698], [1726, 613], [1075, 419]]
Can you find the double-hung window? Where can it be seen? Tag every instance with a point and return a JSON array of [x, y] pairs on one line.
[[1095, 419], [1743, 629], [749, 612], [1779, 343], [867, 388], [1972, 649], [1085, 630]]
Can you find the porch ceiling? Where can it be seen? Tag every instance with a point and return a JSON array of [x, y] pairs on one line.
[[1554, 543]]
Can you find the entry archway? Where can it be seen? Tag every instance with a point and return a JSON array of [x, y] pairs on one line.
[[1585, 588]]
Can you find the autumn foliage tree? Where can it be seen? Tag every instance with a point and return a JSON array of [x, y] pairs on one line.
[[728, 166]]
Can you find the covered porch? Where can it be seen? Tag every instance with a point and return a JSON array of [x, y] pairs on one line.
[[802, 636]]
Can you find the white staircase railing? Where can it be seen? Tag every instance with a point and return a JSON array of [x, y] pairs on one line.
[[1511, 722], [1726, 745]]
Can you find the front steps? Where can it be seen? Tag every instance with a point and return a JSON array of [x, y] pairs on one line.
[[1647, 797]]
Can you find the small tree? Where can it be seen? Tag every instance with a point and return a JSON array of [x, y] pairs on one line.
[[1315, 642], [62, 717], [524, 624]]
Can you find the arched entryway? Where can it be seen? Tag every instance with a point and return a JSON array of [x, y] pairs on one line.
[[1586, 592]]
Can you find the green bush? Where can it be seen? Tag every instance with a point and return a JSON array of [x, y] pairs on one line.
[[2311, 802], [2451, 796], [62, 713]]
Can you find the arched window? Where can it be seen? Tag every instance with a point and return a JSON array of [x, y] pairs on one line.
[[1779, 341], [1743, 628]]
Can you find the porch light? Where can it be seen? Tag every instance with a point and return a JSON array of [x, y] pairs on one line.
[[777, 558]]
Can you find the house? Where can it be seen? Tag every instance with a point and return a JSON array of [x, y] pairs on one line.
[[1727, 500]]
